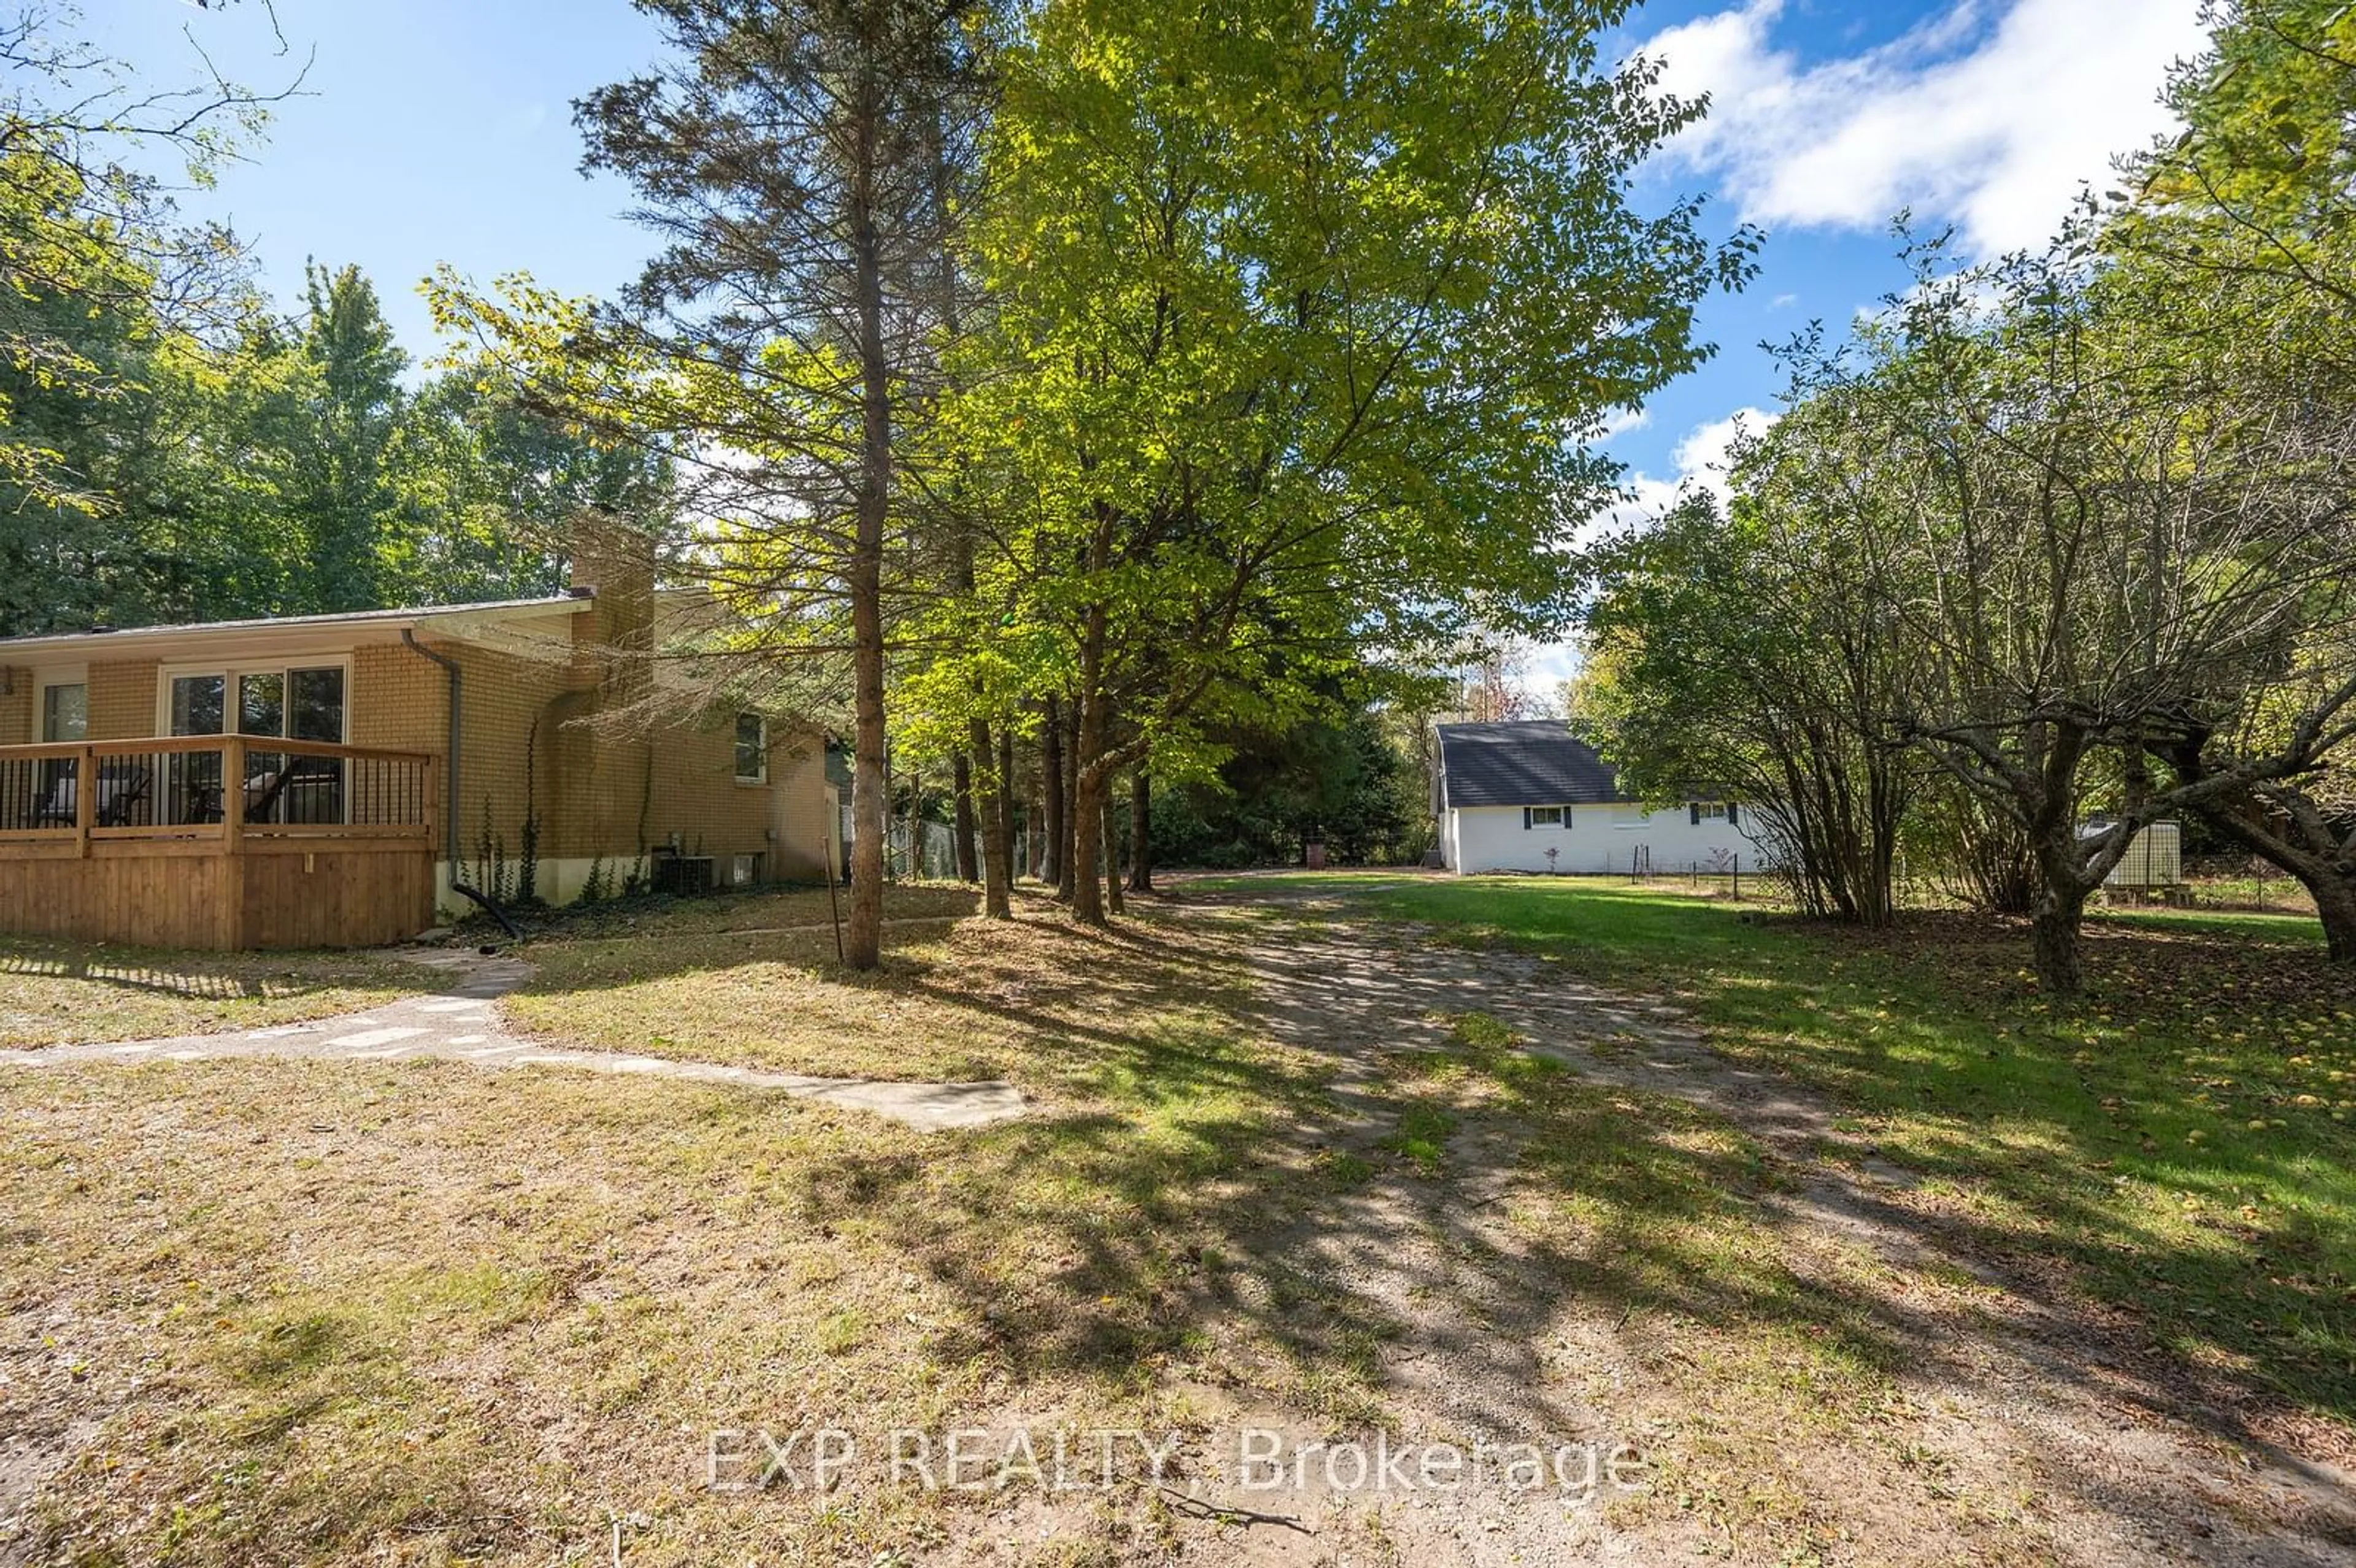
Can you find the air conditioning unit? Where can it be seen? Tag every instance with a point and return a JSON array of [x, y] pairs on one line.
[[682, 874]]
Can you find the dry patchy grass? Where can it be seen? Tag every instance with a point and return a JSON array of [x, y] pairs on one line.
[[68, 993], [290, 1312], [260, 1312], [955, 999]]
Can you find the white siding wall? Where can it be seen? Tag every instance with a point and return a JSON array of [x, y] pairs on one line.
[[1598, 838]]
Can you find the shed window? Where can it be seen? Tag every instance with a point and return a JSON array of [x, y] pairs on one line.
[[1708, 811], [752, 749], [1546, 817]]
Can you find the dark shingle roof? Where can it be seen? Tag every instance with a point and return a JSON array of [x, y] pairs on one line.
[[1537, 762]]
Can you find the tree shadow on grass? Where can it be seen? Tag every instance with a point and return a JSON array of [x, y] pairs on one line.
[[208, 976], [2029, 1137], [1213, 1209], [1205, 1195]]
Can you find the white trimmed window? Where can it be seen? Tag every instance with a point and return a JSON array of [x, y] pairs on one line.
[[65, 711], [1545, 817], [752, 749]]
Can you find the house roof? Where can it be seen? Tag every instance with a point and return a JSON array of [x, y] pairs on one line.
[[1533, 762], [144, 642]]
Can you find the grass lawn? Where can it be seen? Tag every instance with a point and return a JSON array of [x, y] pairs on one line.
[[752, 980], [62, 993], [1290, 1163], [2177, 1141]]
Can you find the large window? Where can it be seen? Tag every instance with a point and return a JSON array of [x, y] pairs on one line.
[[752, 749], [300, 703]]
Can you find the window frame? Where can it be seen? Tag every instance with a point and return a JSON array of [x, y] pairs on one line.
[[48, 680], [761, 755], [1561, 816], [232, 671]]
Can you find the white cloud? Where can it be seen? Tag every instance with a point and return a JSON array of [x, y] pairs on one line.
[[1620, 422], [1706, 453], [1992, 126], [1702, 459]]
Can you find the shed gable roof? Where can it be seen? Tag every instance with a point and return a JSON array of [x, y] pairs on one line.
[[1531, 762]]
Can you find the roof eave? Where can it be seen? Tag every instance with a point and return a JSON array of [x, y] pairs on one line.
[[461, 622]]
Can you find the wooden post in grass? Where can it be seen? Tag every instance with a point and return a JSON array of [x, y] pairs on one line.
[[833, 898], [1738, 879]]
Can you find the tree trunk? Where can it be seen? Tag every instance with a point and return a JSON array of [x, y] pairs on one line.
[[863, 936], [2054, 919], [997, 849], [1092, 776], [1070, 872], [916, 824], [1140, 833], [2335, 904], [1112, 858], [961, 840], [1054, 805], [1088, 819], [2060, 966], [2300, 841], [1002, 824]]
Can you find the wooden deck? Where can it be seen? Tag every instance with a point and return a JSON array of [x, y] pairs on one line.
[[217, 842]]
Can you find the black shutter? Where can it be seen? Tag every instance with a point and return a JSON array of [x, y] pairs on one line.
[[1695, 807], [1730, 814], [1526, 819]]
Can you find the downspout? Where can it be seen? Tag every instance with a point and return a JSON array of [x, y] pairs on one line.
[[450, 834]]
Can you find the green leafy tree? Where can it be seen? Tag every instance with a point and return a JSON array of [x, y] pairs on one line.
[[343, 502], [1299, 317], [791, 154], [105, 301], [1751, 657], [2241, 235], [2094, 548]]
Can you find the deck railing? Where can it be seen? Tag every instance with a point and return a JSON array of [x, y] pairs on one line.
[[219, 790], [217, 842]]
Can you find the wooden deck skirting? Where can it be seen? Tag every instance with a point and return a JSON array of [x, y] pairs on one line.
[[169, 859]]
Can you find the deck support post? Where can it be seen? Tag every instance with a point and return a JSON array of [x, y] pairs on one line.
[[85, 800], [232, 797]]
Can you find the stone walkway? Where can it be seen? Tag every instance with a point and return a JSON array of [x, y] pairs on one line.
[[459, 1023]]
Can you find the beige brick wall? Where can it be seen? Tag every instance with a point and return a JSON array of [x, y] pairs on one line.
[[122, 700], [562, 739], [558, 733], [798, 770], [17, 715], [399, 700]]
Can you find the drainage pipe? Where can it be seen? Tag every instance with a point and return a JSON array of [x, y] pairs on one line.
[[450, 833]]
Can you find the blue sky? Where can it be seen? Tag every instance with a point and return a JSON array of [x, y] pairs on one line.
[[440, 130]]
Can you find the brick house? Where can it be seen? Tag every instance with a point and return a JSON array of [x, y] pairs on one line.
[[326, 778]]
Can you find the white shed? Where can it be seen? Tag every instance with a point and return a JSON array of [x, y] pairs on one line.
[[1531, 796]]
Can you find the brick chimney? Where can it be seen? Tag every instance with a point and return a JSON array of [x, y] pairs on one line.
[[614, 562]]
